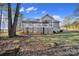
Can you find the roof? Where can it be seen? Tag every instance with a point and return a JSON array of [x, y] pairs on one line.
[[50, 17], [31, 20]]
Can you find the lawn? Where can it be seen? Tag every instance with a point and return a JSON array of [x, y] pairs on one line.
[[61, 38], [67, 37], [42, 42], [5, 34]]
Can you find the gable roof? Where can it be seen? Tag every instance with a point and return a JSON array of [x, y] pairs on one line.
[[47, 15], [50, 17], [31, 20]]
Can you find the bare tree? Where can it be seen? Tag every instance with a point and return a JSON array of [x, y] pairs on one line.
[[9, 21], [76, 11], [1, 10], [67, 21], [12, 27], [15, 19], [76, 14]]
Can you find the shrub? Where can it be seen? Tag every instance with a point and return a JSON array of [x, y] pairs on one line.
[[61, 30], [54, 31]]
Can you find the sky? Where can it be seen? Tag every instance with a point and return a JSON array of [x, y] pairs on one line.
[[57, 10], [37, 10]]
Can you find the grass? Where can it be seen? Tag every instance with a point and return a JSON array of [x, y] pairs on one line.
[[60, 38], [68, 37], [5, 34], [43, 42]]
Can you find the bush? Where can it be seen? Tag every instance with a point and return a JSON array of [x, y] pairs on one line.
[[61, 30], [54, 31]]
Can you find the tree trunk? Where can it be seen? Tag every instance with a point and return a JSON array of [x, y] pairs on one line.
[[10, 34], [16, 19], [1, 17]]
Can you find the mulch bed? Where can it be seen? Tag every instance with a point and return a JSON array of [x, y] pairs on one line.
[[37, 48], [57, 51]]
